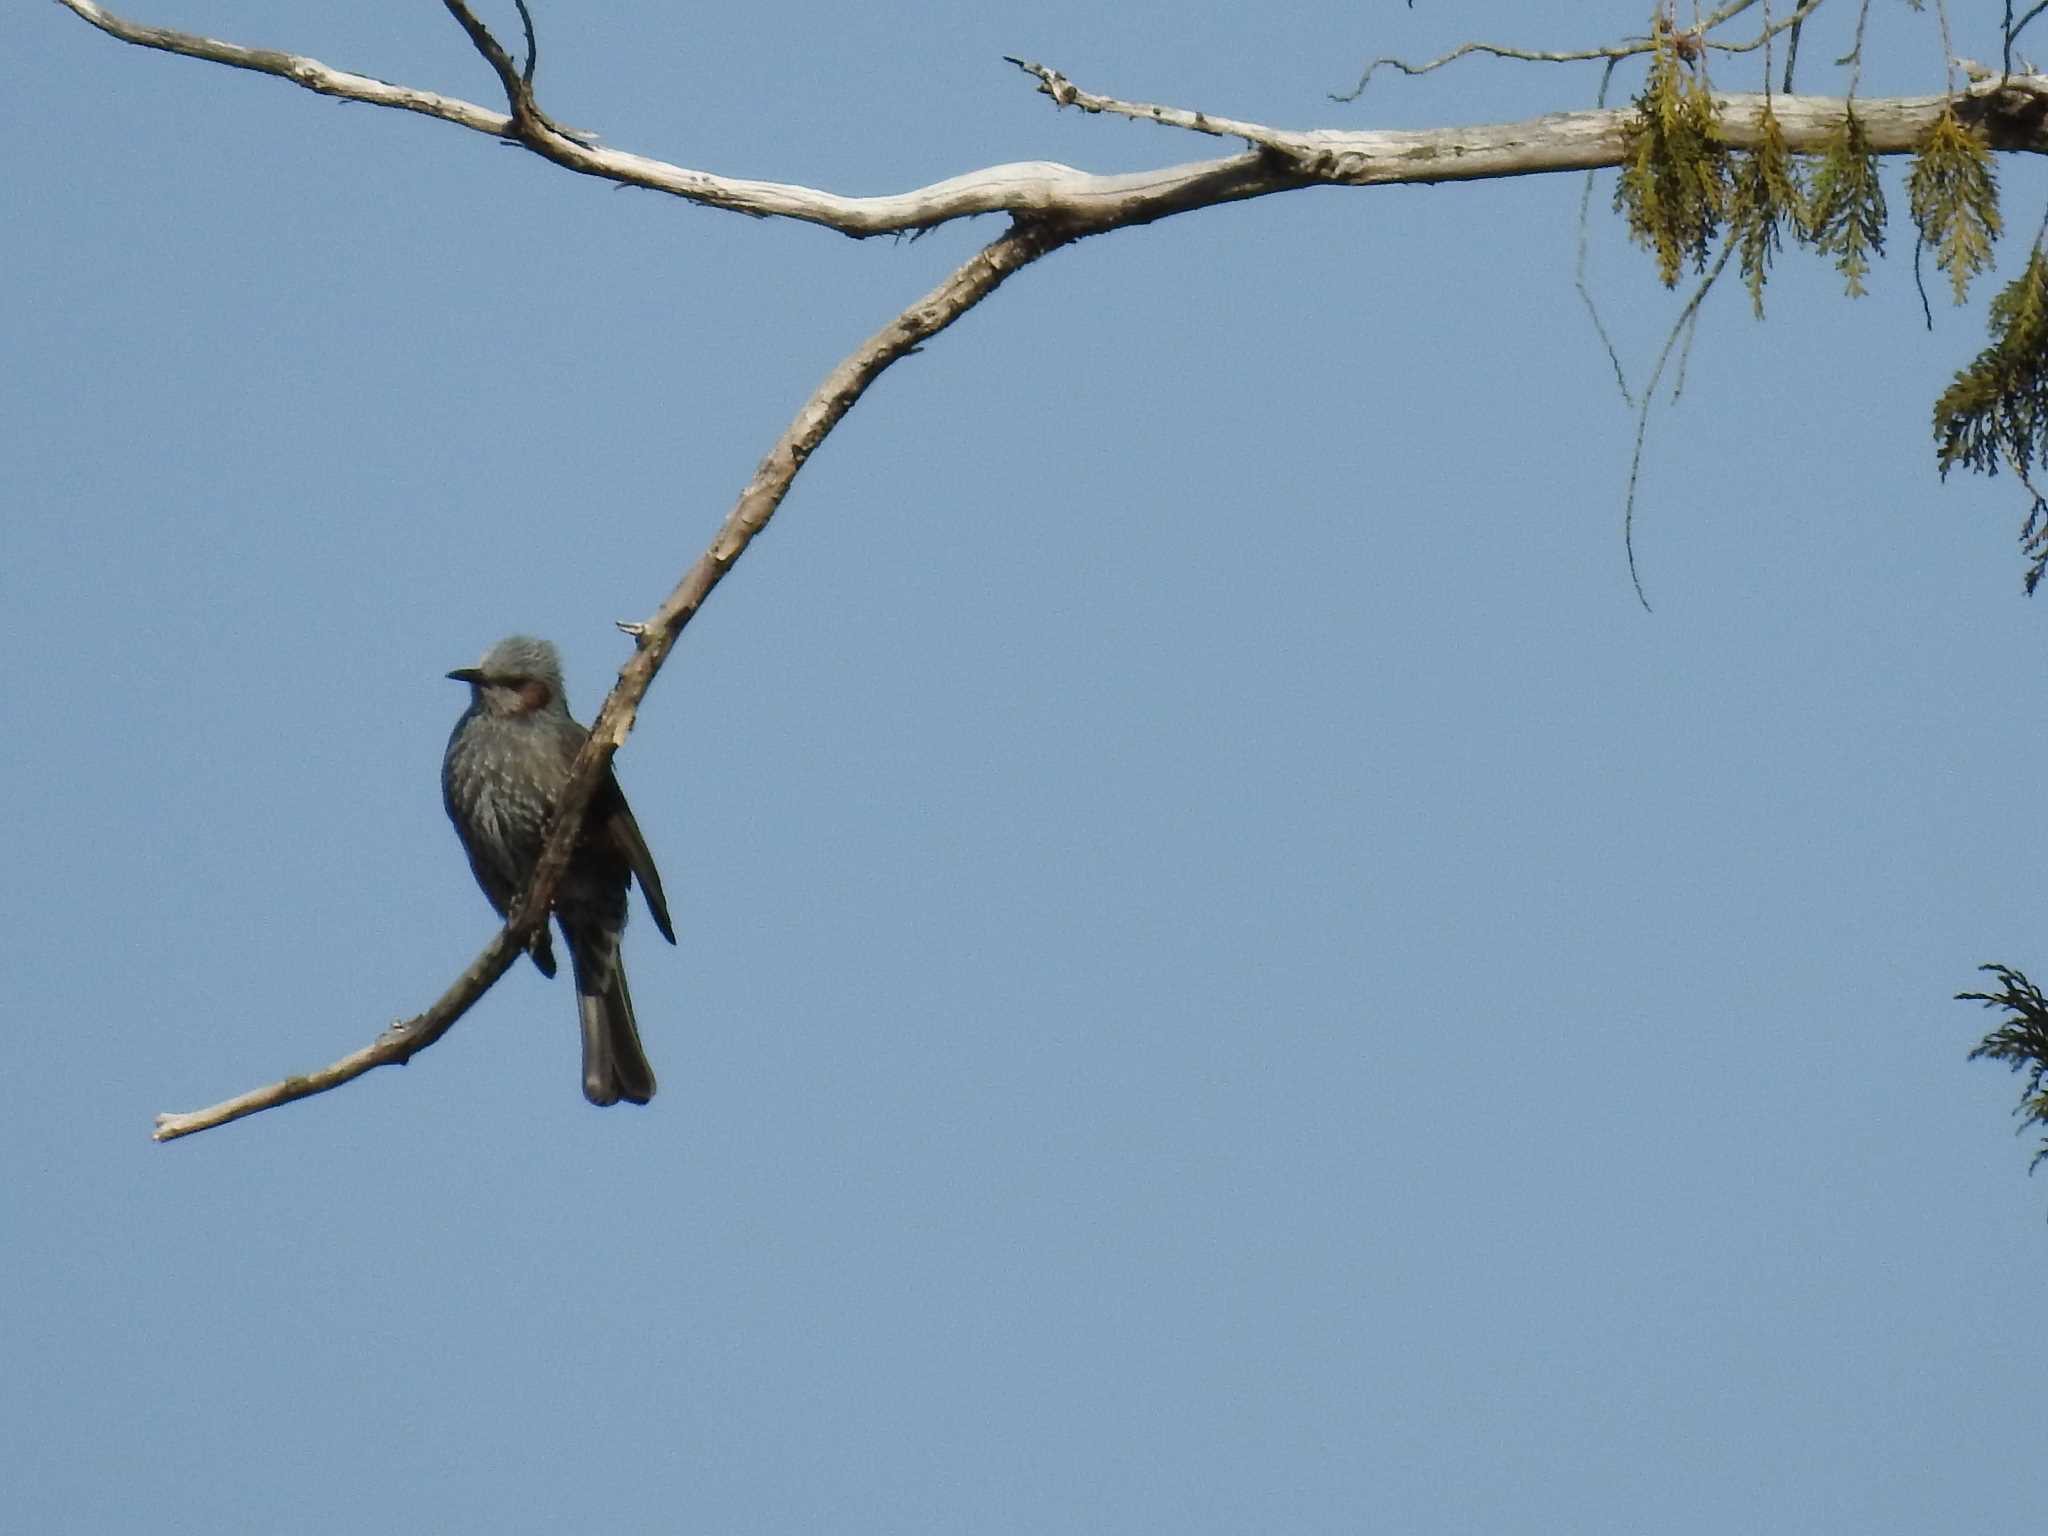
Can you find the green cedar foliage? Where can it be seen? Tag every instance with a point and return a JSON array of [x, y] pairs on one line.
[[2021, 1043], [1996, 410], [1954, 196], [1765, 193], [1848, 203], [1674, 184], [1682, 184]]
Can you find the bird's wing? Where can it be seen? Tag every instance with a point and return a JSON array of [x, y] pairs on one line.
[[616, 817]]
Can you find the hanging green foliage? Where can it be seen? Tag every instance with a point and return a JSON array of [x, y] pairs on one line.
[[1996, 410], [1765, 194], [1682, 183], [1954, 197], [2021, 1042], [1848, 203], [1674, 180]]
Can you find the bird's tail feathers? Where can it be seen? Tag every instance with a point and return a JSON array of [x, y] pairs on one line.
[[615, 1065]]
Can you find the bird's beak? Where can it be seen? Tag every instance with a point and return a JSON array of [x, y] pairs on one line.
[[471, 675]]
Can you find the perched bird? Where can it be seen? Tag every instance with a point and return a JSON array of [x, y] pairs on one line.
[[508, 759]]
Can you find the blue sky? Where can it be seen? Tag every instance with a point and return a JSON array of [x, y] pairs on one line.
[[1231, 978]]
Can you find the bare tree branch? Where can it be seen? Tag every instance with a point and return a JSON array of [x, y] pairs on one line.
[[1033, 187], [1052, 205], [394, 1047], [2010, 111], [654, 638], [310, 73]]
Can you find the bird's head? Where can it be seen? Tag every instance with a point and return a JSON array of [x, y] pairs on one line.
[[518, 676]]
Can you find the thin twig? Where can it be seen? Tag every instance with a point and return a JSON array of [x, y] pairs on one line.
[[532, 47], [2013, 29], [1612, 52], [1067, 94], [1635, 463], [1771, 29], [1853, 59], [1948, 47], [1695, 37], [1690, 325], [518, 88], [1579, 261], [1920, 280]]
